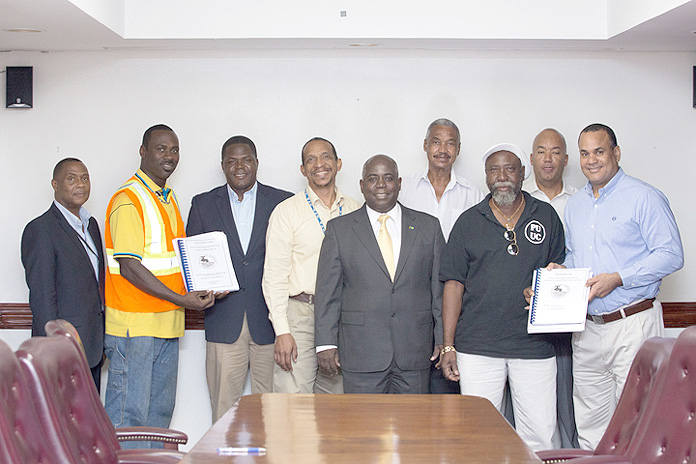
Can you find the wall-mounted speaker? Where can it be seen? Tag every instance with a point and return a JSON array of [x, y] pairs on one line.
[[20, 84]]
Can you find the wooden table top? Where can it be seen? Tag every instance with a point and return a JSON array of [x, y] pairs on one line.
[[330, 429]]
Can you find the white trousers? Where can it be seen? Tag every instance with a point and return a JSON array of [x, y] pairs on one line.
[[602, 357], [532, 386]]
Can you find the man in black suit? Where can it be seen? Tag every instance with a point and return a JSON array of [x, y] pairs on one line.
[[237, 329], [378, 294], [64, 263]]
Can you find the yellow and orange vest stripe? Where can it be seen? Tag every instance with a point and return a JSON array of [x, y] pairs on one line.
[[158, 253]]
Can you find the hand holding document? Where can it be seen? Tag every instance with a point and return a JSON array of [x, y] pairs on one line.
[[205, 262], [559, 303]]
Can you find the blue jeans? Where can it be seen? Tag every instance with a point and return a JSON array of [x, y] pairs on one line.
[[141, 387]]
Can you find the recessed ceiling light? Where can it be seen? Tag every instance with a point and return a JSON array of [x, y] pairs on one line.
[[22, 29], [363, 45]]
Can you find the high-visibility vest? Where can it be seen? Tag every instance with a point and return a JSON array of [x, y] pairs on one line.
[[158, 254]]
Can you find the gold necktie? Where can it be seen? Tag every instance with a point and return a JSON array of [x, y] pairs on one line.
[[385, 244]]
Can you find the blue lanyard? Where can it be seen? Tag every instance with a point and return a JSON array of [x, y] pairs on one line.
[[340, 211]]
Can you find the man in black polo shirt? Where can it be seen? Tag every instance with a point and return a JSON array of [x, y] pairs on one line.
[[489, 260]]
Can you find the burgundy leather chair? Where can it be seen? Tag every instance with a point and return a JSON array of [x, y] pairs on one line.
[[63, 393], [641, 378], [170, 438], [23, 438], [666, 432]]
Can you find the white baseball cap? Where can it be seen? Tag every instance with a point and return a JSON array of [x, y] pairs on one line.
[[515, 150]]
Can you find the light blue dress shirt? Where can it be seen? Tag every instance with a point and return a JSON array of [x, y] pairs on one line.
[[629, 229], [80, 225], [243, 212]]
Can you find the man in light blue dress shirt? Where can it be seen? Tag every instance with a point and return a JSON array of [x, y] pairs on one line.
[[623, 230], [239, 336]]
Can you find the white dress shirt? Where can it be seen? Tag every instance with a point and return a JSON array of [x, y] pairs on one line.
[[559, 201], [81, 225], [460, 194]]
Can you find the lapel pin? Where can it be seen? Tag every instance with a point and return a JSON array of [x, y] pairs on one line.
[[411, 228]]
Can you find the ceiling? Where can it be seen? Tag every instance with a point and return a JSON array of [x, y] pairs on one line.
[[64, 26]]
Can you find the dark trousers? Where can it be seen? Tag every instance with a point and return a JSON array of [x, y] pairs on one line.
[[96, 374], [438, 384], [391, 380]]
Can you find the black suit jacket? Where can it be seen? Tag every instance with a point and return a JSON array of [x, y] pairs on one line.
[[61, 280], [210, 212], [357, 307]]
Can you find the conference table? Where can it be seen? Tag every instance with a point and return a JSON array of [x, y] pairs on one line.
[[334, 429]]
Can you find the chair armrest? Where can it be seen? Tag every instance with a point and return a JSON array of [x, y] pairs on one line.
[[603, 459], [150, 456], [560, 455], [170, 437]]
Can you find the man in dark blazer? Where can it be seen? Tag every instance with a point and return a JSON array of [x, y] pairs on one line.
[[64, 263], [378, 294], [238, 332]]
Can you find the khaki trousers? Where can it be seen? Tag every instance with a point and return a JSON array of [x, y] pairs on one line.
[[305, 376], [602, 357], [227, 365]]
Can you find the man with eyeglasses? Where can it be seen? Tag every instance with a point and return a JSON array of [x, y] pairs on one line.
[[624, 230], [489, 260]]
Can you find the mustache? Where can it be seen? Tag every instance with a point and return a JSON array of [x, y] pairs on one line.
[[498, 185]]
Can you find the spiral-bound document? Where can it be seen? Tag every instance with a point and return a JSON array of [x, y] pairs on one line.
[[559, 303], [205, 262]]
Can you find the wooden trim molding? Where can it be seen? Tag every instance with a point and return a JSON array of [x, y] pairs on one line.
[[18, 315]]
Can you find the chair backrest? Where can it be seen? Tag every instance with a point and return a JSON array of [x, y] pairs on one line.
[[23, 436], [64, 392], [666, 432], [62, 328], [641, 379]]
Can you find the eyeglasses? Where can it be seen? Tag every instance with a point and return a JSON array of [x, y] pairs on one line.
[[510, 236]]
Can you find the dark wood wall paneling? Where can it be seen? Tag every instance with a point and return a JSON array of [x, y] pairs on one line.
[[18, 315]]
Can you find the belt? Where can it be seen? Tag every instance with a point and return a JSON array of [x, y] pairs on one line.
[[622, 313], [304, 297]]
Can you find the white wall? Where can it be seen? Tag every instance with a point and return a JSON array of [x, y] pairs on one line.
[[95, 106], [205, 19]]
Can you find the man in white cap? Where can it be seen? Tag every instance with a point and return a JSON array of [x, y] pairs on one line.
[[483, 309]]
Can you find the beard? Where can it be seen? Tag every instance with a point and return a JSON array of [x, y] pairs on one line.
[[505, 198]]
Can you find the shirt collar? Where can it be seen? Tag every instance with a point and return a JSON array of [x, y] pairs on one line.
[[611, 185], [314, 198], [394, 213], [249, 195], [74, 221], [162, 192], [453, 178], [565, 190]]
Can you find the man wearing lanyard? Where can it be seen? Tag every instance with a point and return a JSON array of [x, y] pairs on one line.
[[295, 232], [64, 263], [624, 230]]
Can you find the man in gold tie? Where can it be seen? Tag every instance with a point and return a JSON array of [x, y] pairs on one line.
[[378, 294]]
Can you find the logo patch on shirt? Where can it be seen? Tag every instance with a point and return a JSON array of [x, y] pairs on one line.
[[535, 232]]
